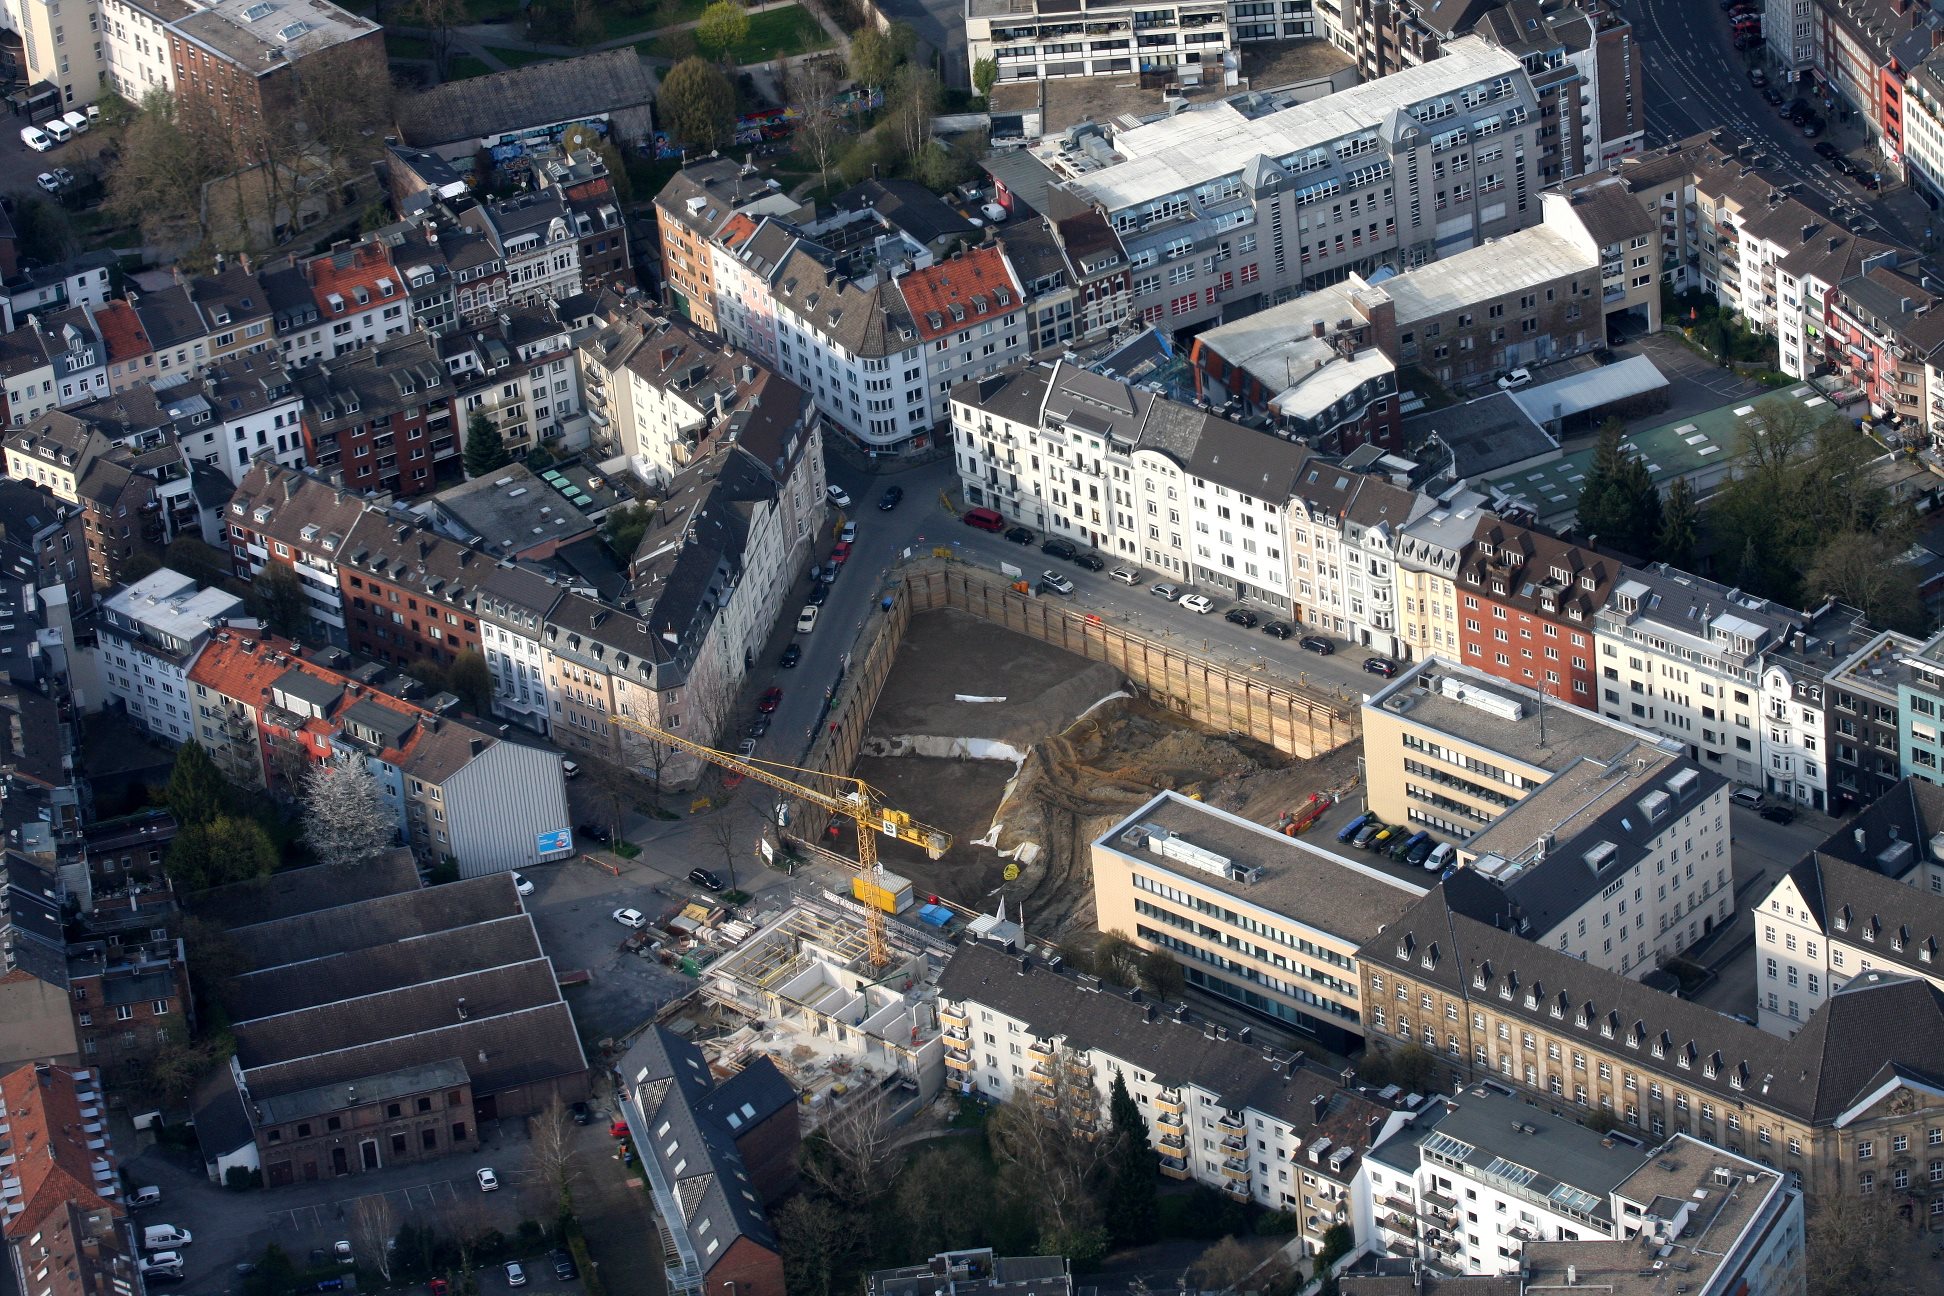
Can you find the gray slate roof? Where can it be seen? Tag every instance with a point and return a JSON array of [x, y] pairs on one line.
[[537, 95]]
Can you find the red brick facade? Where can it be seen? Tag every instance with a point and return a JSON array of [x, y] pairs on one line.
[[1526, 604]]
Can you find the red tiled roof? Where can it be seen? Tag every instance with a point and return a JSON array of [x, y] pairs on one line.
[[49, 1145], [225, 667], [345, 271], [966, 290], [735, 230], [121, 328]]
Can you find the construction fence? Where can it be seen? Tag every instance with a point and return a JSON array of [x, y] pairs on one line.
[[1245, 703]]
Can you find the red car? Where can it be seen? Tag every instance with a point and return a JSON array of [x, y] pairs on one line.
[[770, 701], [841, 554]]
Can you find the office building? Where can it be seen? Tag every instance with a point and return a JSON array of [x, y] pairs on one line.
[[1268, 922]]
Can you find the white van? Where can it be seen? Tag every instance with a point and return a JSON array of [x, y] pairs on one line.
[[164, 1237], [76, 122], [145, 1197], [58, 130], [1442, 856], [94, 112], [35, 138]]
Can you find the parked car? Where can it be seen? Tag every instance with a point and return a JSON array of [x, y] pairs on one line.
[[1352, 828], [1125, 575], [1020, 535], [818, 591], [522, 884], [1279, 629], [1514, 380], [341, 1252], [1056, 582], [890, 499], [1317, 644], [1058, 548], [595, 833], [631, 918], [1242, 617], [1366, 835], [1442, 855], [757, 727], [1422, 850], [515, 1276], [145, 1197], [63, 177], [1380, 666], [165, 1237], [162, 1263], [993, 213], [1778, 813], [1747, 797], [840, 553], [1773, 96], [563, 1261], [36, 139], [1196, 603], [772, 698], [1166, 591], [703, 878], [488, 1181], [792, 654], [568, 769], [746, 748], [1827, 151], [849, 534], [838, 495], [47, 182], [1091, 561], [807, 619], [583, 1114]]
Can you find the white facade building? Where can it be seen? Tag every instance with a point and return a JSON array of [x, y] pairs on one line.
[[150, 635], [135, 48]]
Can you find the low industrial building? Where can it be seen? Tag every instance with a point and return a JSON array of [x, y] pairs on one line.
[[1267, 922], [510, 111]]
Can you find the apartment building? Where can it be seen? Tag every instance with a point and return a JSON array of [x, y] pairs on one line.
[[299, 518], [237, 409], [57, 361], [1870, 897], [968, 314], [594, 211], [1481, 1184], [150, 635], [1450, 749], [130, 991], [1798, 731], [1682, 655], [692, 209], [405, 588], [1255, 1124], [42, 544], [1920, 697], [1528, 607], [1184, 40], [381, 416], [1267, 922], [1575, 1037], [1428, 552], [518, 373], [1250, 201], [1865, 720], [243, 66], [67, 1230], [1073, 273], [512, 604], [1120, 469]]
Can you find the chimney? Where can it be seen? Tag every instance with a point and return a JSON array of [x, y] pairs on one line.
[[461, 1005], [1025, 961], [1319, 1105], [1316, 328], [477, 745]]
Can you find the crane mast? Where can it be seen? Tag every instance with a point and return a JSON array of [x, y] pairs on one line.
[[864, 804]]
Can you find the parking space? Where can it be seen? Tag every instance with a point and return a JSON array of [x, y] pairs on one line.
[[318, 1218], [573, 906], [19, 165], [1694, 384]]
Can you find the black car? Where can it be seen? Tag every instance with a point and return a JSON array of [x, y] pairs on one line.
[[1777, 813], [889, 500], [1320, 646], [1380, 666], [1828, 152], [1773, 96], [583, 1114], [1242, 617], [703, 878], [1279, 629], [1091, 561], [563, 1265], [1058, 548], [791, 656], [1021, 535], [1866, 179], [758, 727], [594, 832], [818, 593]]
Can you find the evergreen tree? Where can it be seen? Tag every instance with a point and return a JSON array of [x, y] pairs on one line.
[[1132, 1215], [485, 448], [197, 791], [1618, 503], [1680, 524]]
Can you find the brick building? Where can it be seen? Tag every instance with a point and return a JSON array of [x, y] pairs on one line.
[[66, 1229], [242, 65], [1527, 603], [381, 416], [405, 588]]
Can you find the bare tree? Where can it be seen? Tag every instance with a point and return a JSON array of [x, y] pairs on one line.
[[913, 100], [1227, 1264], [373, 1226], [722, 831], [851, 1157], [556, 1159], [438, 17], [1856, 1246], [345, 822], [822, 132], [1053, 1160]]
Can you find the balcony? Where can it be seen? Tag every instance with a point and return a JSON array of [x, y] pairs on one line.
[[958, 1062], [1171, 1120], [1038, 1052], [1231, 1124], [1235, 1144], [1174, 1168], [1169, 1105], [1237, 1191], [957, 1035], [1175, 1141], [1236, 1168]]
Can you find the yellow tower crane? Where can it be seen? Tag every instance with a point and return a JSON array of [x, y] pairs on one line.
[[863, 803]]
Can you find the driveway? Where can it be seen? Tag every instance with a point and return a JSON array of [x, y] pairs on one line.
[[1694, 384], [572, 906]]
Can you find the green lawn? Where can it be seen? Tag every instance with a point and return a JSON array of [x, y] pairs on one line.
[[627, 19], [480, 11], [461, 67], [518, 58], [407, 47], [773, 34]]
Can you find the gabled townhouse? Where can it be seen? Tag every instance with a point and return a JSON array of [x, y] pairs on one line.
[[1682, 655], [1885, 337], [235, 307], [112, 485], [150, 634], [296, 315], [517, 371], [513, 603], [1799, 708], [540, 243], [42, 542], [1428, 554], [1866, 719], [131, 357], [472, 250], [360, 298], [407, 589], [1372, 537], [414, 247], [852, 343], [381, 415], [692, 209], [745, 257], [1529, 604], [969, 316], [1870, 897], [301, 519], [79, 281], [176, 330], [57, 361], [237, 409], [594, 210]]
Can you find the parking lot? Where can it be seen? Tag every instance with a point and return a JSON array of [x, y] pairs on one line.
[[20, 164]]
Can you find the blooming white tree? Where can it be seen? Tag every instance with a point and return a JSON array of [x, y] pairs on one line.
[[344, 820]]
